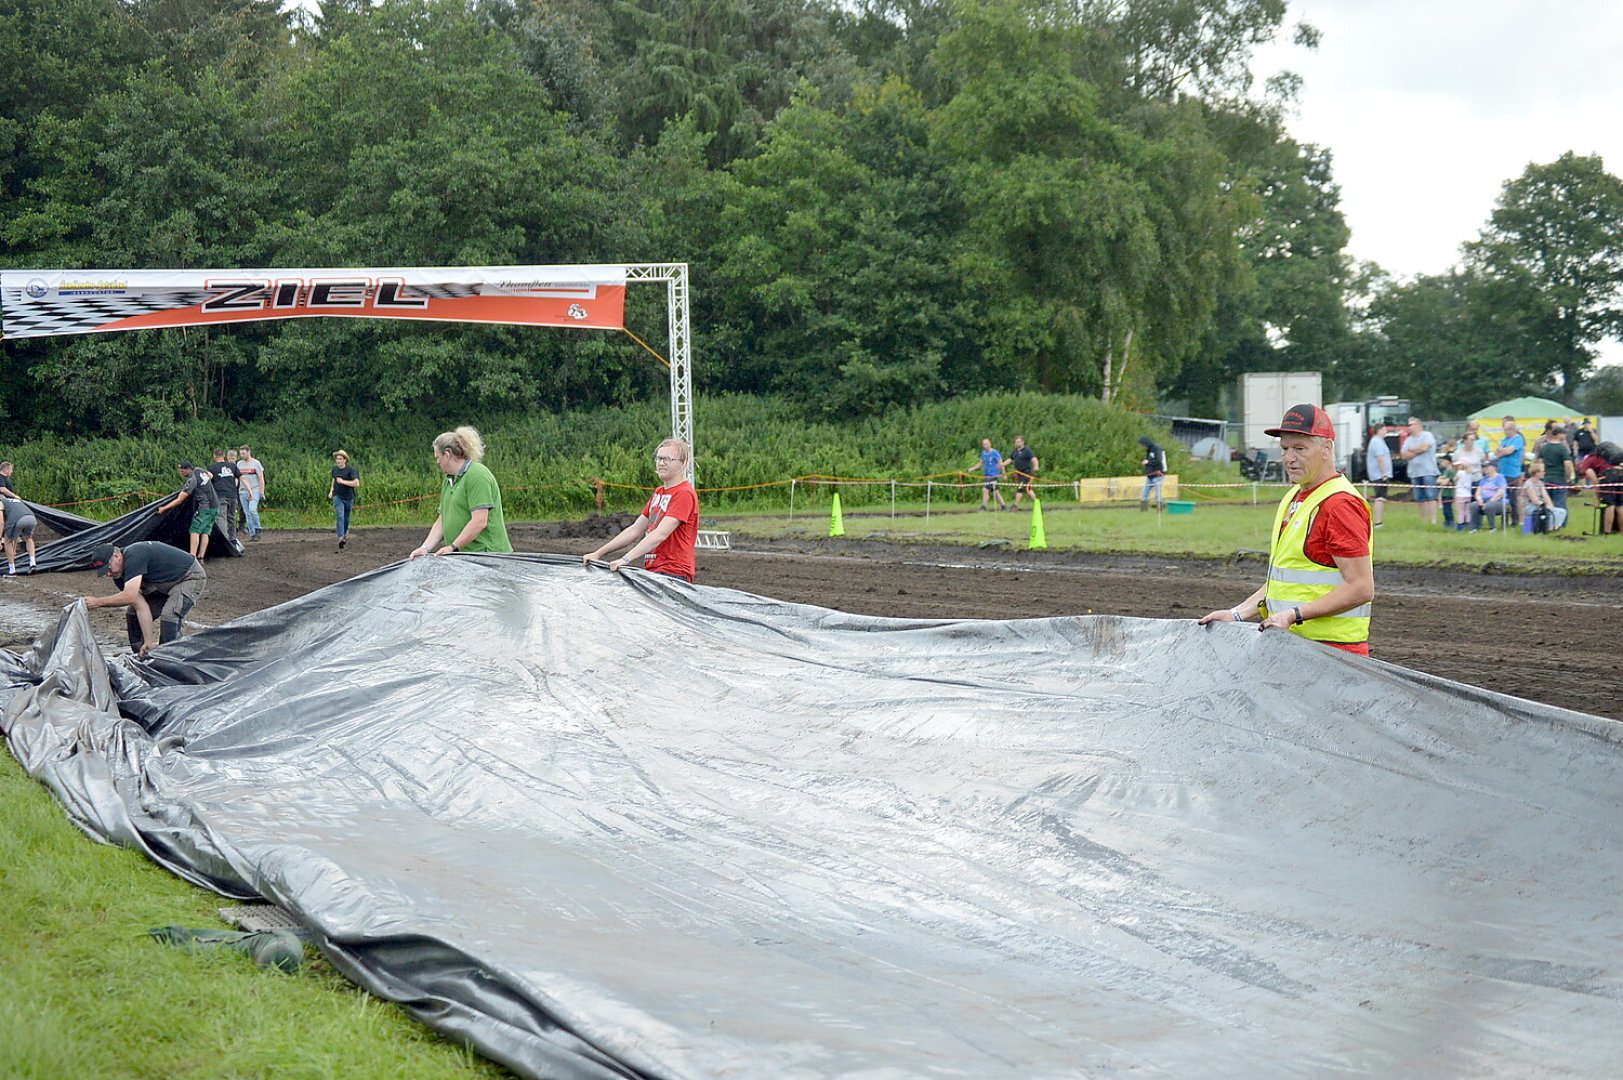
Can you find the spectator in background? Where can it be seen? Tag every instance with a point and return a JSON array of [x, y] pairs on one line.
[[1378, 467], [1533, 501], [1559, 472], [199, 487], [6, 469], [252, 491], [1584, 440], [1511, 454], [1445, 489], [1468, 458], [1610, 492], [226, 479], [1155, 472], [1025, 463], [1473, 434], [1420, 451], [991, 469], [1593, 466], [345, 482], [470, 517], [1489, 501]]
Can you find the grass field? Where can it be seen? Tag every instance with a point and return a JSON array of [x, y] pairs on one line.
[[1210, 530], [85, 992]]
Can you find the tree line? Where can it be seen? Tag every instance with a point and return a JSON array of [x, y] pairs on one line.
[[884, 203]]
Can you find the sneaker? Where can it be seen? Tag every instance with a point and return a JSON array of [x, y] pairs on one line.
[[341, 540]]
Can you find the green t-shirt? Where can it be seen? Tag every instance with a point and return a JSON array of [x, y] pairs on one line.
[[464, 494], [1555, 456]]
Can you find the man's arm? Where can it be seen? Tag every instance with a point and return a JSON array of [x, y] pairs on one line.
[[125, 597], [180, 498], [666, 526], [1240, 612], [627, 535]]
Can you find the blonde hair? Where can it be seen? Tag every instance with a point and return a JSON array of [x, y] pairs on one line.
[[682, 449], [464, 442]]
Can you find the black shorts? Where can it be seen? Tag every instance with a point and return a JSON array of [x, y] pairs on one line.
[[1380, 491]]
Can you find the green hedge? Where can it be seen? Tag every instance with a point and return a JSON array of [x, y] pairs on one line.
[[545, 461]]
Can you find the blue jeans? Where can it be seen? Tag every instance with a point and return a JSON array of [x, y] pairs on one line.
[[250, 510], [1151, 484], [341, 509]]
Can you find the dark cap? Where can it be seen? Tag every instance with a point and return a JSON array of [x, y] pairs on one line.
[[185, 464], [100, 558], [1305, 420]]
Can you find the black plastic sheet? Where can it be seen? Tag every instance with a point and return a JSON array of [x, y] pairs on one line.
[[81, 536], [615, 825]]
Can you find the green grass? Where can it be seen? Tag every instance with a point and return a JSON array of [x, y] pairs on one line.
[[85, 993], [1213, 530]]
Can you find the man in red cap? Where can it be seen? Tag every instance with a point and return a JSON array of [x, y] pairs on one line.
[[1321, 579]]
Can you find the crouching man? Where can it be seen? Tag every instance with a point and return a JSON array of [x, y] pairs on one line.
[[146, 573]]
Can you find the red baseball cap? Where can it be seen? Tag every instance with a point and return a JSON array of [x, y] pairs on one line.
[[1305, 420]]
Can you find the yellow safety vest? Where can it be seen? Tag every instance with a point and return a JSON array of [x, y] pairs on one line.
[[1295, 580]]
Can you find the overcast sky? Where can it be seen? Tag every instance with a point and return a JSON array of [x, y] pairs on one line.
[[1429, 106]]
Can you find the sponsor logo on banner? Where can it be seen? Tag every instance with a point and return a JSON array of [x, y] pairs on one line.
[[37, 287], [577, 312], [92, 288]]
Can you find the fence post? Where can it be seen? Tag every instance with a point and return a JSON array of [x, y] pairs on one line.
[[893, 500], [929, 488], [597, 481], [791, 500], [1253, 493]]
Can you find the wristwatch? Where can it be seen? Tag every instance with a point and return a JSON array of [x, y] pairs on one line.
[[455, 549], [1299, 617]]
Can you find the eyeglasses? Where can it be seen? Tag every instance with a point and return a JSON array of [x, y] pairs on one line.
[[661, 459]]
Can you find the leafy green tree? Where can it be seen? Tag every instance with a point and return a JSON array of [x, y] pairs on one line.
[[1553, 249], [1436, 342], [1098, 248], [1286, 309], [835, 250]]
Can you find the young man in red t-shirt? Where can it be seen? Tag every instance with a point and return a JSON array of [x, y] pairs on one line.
[[667, 532], [1334, 560]]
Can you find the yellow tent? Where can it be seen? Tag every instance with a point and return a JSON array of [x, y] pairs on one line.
[[1530, 414]]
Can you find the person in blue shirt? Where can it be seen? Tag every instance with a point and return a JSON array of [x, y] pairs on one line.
[[1509, 456], [1489, 499], [991, 469]]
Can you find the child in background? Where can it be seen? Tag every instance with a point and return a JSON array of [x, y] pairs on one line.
[[1446, 480]]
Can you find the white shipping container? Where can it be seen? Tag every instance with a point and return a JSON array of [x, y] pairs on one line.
[[1264, 397]]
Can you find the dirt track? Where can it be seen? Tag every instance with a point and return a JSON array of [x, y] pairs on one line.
[[1546, 638]]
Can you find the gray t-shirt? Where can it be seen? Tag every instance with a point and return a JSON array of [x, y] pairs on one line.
[[200, 486], [1378, 458], [1425, 462]]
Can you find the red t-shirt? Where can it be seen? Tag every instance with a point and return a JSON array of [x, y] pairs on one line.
[[1340, 526], [675, 555]]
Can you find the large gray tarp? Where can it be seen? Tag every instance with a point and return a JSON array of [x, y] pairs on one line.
[[616, 825]]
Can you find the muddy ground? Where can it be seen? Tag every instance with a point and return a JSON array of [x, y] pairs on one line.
[[1550, 638]]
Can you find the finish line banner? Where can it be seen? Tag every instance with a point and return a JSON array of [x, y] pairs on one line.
[[41, 303]]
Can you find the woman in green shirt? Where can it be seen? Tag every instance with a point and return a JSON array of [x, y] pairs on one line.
[[470, 516]]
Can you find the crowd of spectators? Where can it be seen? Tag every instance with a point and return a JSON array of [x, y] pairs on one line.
[[1511, 485]]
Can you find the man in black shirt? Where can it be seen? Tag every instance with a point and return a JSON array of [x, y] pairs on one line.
[[1025, 465], [225, 486], [205, 506], [149, 569]]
